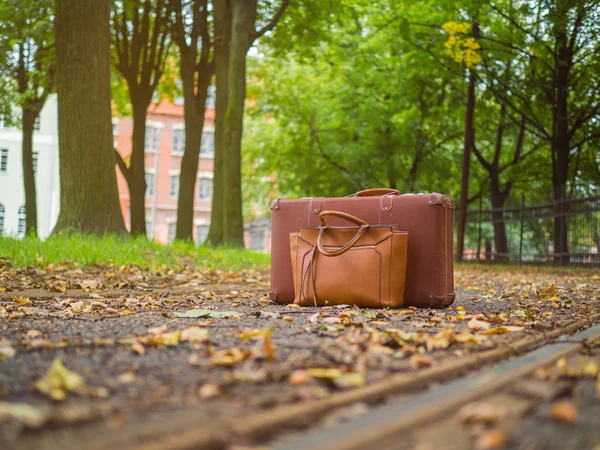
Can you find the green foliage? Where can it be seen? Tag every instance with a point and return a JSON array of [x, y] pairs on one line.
[[83, 251]]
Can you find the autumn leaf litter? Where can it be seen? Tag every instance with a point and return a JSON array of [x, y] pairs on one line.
[[102, 341]]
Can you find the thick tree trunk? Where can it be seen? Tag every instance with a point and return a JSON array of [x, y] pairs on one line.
[[194, 124], [464, 183], [222, 37], [89, 200], [244, 14], [137, 179], [29, 117], [561, 147]]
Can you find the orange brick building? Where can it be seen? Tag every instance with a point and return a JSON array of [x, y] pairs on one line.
[[165, 142]]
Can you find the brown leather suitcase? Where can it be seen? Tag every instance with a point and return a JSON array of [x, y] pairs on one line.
[[428, 219]]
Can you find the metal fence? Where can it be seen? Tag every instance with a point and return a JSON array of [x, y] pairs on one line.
[[530, 232]]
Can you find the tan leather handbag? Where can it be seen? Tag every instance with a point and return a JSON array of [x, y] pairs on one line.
[[364, 266]]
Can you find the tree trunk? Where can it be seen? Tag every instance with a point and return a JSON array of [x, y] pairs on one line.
[[222, 37], [464, 183], [137, 170], [498, 199], [194, 124], [244, 14], [29, 117], [560, 148], [89, 200]]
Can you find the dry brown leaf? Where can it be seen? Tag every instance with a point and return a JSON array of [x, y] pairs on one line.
[[138, 348], [491, 439], [33, 334], [549, 292], [299, 378], [563, 411], [501, 330], [268, 347], [209, 390], [230, 357], [478, 325], [288, 319], [417, 361]]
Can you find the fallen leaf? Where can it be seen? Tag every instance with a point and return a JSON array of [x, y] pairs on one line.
[[268, 347], [21, 300], [250, 334], [230, 357], [288, 319], [138, 348], [548, 292], [59, 381], [33, 334], [7, 352], [350, 380], [323, 373], [206, 313], [563, 411], [501, 330], [209, 390], [590, 369], [417, 361], [195, 334], [299, 378], [478, 325], [112, 311], [491, 439], [28, 415]]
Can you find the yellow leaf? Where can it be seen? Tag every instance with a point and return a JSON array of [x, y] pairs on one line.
[[501, 330], [548, 292], [195, 334], [228, 358], [59, 381], [268, 347], [21, 300], [323, 373]]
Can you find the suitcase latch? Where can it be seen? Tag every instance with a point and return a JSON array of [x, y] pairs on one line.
[[387, 202]]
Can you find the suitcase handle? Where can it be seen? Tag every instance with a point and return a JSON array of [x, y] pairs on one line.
[[362, 227], [375, 192]]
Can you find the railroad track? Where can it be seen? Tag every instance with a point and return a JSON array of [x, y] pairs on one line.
[[417, 407]]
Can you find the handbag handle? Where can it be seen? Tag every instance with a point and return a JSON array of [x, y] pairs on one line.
[[362, 227], [375, 192], [342, 215]]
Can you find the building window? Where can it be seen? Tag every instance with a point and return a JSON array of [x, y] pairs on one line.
[[1, 219], [152, 134], [21, 222], [174, 187], [172, 231], [205, 189], [207, 146], [201, 234], [149, 185], [3, 160], [37, 123], [36, 156], [178, 142]]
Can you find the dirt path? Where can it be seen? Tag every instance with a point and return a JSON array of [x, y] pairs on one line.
[[117, 330]]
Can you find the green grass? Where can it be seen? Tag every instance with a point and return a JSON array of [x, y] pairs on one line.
[[83, 251]]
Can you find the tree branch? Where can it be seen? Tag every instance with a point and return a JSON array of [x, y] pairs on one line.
[[273, 22]]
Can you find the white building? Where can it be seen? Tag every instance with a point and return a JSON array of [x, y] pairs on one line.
[[12, 192]]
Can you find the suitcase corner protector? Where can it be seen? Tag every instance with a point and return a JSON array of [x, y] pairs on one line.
[[442, 200], [438, 301], [273, 296]]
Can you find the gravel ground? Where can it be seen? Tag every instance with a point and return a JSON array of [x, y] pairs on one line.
[[116, 329]]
